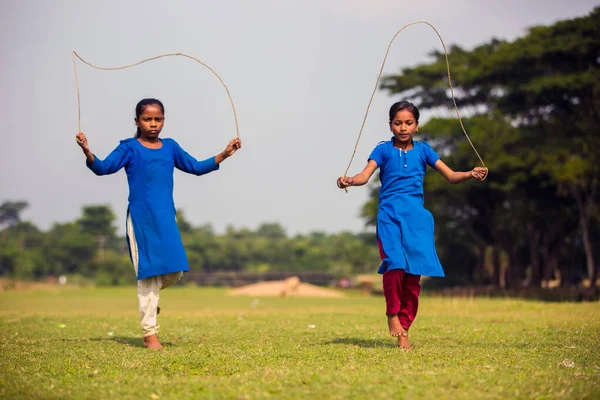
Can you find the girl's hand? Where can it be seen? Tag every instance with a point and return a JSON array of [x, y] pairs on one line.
[[233, 146], [344, 181], [479, 173], [82, 141]]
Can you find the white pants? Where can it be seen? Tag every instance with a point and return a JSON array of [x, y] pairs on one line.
[[148, 288]]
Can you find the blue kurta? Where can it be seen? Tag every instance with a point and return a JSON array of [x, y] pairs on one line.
[[151, 206], [404, 226]]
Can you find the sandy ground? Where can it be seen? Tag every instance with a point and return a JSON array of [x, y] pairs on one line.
[[8, 284], [291, 287]]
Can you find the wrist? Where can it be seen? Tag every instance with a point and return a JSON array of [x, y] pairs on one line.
[[219, 158]]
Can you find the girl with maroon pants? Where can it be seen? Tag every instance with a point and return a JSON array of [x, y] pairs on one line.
[[404, 227]]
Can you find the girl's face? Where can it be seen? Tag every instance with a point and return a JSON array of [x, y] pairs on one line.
[[404, 126], [150, 122]]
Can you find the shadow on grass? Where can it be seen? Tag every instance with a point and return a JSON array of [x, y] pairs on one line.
[[124, 340], [370, 343], [129, 341], [133, 341]]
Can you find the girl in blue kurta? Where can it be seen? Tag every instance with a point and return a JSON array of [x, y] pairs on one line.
[[404, 226], [155, 244]]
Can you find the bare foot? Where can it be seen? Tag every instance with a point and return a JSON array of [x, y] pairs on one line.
[[403, 342], [152, 342], [394, 325]]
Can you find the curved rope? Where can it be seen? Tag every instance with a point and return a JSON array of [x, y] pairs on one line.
[[377, 85], [74, 54]]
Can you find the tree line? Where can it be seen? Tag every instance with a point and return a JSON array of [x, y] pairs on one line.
[[90, 248]]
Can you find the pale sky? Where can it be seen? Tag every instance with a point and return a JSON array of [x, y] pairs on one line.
[[300, 73]]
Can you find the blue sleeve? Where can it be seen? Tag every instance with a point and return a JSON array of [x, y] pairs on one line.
[[429, 154], [378, 155], [187, 163], [116, 160]]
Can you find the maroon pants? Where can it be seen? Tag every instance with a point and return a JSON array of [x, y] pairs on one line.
[[401, 292]]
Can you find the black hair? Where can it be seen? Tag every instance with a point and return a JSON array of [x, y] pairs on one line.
[[404, 105], [141, 106]]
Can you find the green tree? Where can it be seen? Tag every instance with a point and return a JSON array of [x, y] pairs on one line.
[[10, 212], [97, 221], [113, 269], [272, 230], [9, 254], [69, 250]]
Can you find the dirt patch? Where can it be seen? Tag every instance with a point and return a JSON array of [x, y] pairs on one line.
[[291, 287], [9, 284]]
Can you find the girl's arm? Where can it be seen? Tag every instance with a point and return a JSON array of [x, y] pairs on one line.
[[233, 146], [111, 164], [458, 177], [187, 163], [358, 179]]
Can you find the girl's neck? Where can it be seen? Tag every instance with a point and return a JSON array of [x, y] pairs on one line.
[[151, 143], [403, 146], [148, 140]]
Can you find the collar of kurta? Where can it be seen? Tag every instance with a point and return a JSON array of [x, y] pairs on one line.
[[411, 142]]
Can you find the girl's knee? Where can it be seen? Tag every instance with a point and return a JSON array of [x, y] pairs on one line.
[[169, 279]]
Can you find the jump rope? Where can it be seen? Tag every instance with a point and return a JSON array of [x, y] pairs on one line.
[[75, 55]]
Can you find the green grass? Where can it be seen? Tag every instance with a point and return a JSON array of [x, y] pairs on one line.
[[86, 344]]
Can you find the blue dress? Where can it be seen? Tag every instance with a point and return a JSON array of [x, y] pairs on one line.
[[404, 226], [151, 206]]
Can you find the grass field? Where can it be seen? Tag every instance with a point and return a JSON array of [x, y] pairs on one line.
[[85, 343]]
